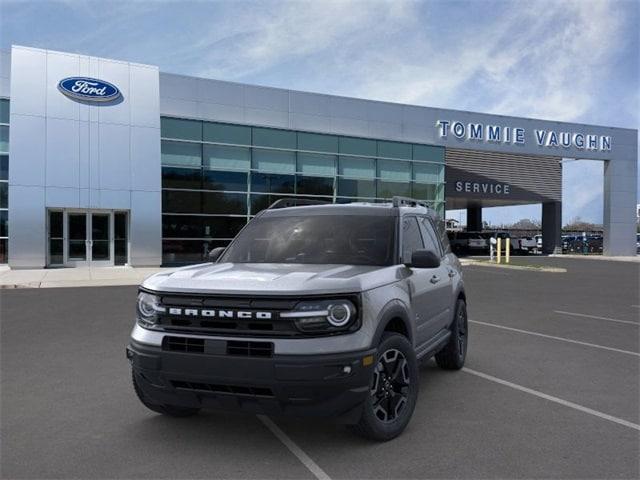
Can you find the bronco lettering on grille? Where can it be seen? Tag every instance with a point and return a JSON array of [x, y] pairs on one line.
[[240, 314]]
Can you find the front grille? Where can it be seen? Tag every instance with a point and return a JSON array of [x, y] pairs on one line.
[[250, 349], [224, 389], [273, 327], [184, 314], [183, 344]]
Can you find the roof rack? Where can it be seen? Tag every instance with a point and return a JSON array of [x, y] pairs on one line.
[[295, 202], [408, 202]]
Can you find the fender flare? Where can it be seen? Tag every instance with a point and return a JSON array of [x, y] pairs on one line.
[[392, 310]]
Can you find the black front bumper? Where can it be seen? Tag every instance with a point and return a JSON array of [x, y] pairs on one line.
[[294, 385]]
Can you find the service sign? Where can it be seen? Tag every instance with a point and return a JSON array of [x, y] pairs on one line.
[[88, 89]]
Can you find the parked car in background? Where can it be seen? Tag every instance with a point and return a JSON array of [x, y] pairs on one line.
[[459, 241], [582, 244], [529, 245], [478, 242], [467, 242]]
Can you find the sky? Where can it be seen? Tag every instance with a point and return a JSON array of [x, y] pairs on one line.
[[574, 61]]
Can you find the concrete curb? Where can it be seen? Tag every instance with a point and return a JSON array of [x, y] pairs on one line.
[[80, 277], [477, 263], [600, 258], [72, 284]]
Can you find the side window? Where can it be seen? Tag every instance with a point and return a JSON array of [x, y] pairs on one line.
[[441, 230], [411, 238], [430, 238]]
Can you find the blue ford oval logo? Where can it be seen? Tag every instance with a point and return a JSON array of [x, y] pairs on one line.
[[90, 89]]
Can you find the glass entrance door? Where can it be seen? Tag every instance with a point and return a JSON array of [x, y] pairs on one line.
[[82, 238], [100, 242], [77, 239]]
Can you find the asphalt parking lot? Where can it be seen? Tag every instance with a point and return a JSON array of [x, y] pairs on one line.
[[551, 390]]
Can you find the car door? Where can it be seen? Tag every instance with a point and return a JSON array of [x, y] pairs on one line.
[[422, 282], [441, 292]]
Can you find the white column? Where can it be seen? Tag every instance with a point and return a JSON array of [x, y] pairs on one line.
[[620, 198]]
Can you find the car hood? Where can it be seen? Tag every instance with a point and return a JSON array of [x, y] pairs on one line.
[[269, 278]]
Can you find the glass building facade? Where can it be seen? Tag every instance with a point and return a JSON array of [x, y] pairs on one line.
[[4, 180], [216, 176]]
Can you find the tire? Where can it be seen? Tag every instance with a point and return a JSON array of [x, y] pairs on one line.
[[453, 355], [389, 407], [169, 410]]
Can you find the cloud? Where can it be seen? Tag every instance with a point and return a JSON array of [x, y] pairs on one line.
[[537, 59], [575, 60], [270, 34]]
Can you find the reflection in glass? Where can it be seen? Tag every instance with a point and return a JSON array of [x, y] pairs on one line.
[[218, 202], [181, 153], [4, 167], [175, 201], [120, 242], [224, 133], [173, 177], [272, 183], [77, 236], [100, 247], [4, 257], [394, 170], [356, 188], [274, 161], [314, 185], [390, 189], [4, 195], [317, 164], [56, 241], [217, 180], [182, 252], [4, 139], [227, 158], [394, 150], [357, 167], [242, 170], [178, 128], [4, 223]]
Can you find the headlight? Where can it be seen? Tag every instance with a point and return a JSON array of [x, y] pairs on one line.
[[324, 316], [148, 307], [340, 314]]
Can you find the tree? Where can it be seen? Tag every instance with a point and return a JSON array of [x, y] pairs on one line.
[[578, 225], [526, 224]]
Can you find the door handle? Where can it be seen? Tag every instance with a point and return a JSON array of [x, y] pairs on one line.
[[435, 279]]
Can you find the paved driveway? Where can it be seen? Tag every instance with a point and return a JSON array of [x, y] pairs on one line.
[[551, 389]]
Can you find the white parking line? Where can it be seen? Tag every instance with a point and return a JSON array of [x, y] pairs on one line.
[[562, 339], [608, 319], [295, 449], [551, 398]]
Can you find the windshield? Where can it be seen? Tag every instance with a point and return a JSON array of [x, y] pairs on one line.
[[334, 239]]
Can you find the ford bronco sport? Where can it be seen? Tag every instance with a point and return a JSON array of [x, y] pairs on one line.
[[311, 310]]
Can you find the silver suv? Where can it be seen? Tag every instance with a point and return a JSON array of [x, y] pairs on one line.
[[311, 310]]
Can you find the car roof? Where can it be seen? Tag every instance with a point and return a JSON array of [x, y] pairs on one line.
[[355, 208]]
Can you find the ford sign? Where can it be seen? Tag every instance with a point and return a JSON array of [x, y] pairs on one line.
[[89, 89]]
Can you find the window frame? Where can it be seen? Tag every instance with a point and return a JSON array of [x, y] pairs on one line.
[[426, 224], [402, 218]]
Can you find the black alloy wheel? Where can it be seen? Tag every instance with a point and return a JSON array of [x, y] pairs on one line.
[[461, 319], [454, 353], [393, 391], [390, 386]]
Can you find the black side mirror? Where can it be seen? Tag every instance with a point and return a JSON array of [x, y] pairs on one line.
[[424, 259], [215, 253]]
